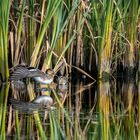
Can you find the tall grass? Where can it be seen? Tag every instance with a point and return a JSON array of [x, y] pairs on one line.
[[4, 91], [52, 6], [103, 33], [19, 32], [105, 49], [131, 58], [4, 22], [110, 37]]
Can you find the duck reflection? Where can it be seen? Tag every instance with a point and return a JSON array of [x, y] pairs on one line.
[[43, 101], [19, 85], [61, 87], [38, 104]]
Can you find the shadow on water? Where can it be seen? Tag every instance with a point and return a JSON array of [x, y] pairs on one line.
[[101, 110]]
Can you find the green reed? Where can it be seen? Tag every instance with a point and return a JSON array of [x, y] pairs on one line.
[[36, 115], [131, 35], [44, 33], [110, 38], [17, 125], [4, 22], [19, 32], [52, 6], [31, 31], [106, 41], [4, 91], [56, 130]]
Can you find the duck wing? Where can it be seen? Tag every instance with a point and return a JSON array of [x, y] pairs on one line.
[[24, 107], [36, 73], [19, 73]]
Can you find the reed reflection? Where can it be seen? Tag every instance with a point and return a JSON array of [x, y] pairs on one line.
[[107, 111]]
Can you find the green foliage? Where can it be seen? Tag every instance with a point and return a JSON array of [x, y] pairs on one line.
[[4, 16]]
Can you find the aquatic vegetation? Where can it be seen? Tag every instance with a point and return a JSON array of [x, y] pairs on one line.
[[4, 24], [80, 40]]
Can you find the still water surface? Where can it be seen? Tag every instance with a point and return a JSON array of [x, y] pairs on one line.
[[91, 111]]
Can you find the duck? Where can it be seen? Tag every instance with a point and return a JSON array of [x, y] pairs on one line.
[[39, 76], [60, 86], [43, 100], [62, 80]]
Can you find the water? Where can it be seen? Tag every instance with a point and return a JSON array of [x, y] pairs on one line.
[[92, 111]]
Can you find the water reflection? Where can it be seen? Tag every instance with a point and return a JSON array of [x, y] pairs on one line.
[[19, 85], [41, 95], [102, 110], [40, 103]]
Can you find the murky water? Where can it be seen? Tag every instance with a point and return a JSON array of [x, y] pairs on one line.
[[100, 110]]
